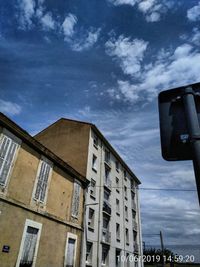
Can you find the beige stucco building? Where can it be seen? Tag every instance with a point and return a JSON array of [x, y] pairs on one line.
[[41, 203]]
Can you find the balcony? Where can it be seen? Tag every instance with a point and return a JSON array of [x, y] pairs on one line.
[[106, 207], [135, 226], [136, 248], [107, 182], [133, 188], [133, 205], [106, 236]]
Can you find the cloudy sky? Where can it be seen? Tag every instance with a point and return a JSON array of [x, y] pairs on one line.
[[105, 61]]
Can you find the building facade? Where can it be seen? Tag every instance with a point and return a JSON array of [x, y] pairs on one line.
[[41, 203], [112, 234]]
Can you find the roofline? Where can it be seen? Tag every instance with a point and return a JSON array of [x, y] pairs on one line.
[[31, 141], [77, 121], [93, 126]]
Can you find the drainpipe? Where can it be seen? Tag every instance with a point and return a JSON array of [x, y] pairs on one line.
[[100, 206]]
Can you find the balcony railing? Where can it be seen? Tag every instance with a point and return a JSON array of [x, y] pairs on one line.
[[106, 207], [133, 205], [105, 236], [133, 188], [107, 182], [136, 248], [135, 226]]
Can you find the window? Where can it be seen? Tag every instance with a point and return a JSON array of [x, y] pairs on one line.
[[134, 236], [106, 195], [133, 201], [29, 244], [128, 260], [133, 214], [106, 220], [94, 163], [117, 207], [76, 199], [132, 185], [93, 188], [95, 141], [107, 177], [118, 259], [89, 253], [125, 192], [91, 219], [104, 260], [70, 253], [127, 237], [117, 182], [107, 156], [126, 213], [125, 175], [118, 231], [8, 149], [117, 165], [44, 172]]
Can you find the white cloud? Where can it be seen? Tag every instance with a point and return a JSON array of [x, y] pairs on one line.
[[123, 2], [153, 17], [30, 14], [152, 9], [173, 69], [27, 10], [9, 108], [128, 52], [48, 22], [147, 5], [196, 36], [193, 13], [87, 41], [68, 26]]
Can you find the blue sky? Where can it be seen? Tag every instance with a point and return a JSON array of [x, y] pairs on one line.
[[105, 61]]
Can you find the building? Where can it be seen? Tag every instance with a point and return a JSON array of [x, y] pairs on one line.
[[112, 225], [41, 203]]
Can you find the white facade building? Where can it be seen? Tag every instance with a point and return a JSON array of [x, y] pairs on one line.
[[112, 225]]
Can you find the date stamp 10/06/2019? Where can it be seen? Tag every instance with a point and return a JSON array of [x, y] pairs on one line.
[[156, 258]]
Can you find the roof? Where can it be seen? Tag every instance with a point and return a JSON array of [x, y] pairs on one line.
[[32, 142], [101, 136]]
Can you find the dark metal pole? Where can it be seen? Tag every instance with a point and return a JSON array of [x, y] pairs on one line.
[[194, 132], [162, 249]]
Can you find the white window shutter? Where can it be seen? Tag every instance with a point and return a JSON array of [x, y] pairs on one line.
[[42, 181], [8, 149], [76, 199]]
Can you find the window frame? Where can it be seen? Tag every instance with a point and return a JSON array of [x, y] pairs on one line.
[[47, 161], [74, 237], [17, 141], [94, 163], [93, 195], [72, 201], [36, 225]]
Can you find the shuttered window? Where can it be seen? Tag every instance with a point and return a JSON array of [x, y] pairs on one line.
[[29, 247], [71, 252], [76, 199], [45, 169], [8, 148]]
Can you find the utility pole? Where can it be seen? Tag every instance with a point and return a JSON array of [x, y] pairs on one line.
[[162, 249], [194, 131]]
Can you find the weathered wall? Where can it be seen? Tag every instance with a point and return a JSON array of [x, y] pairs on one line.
[[52, 244], [59, 193], [69, 140]]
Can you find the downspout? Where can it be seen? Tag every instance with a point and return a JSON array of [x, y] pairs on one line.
[[100, 206]]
